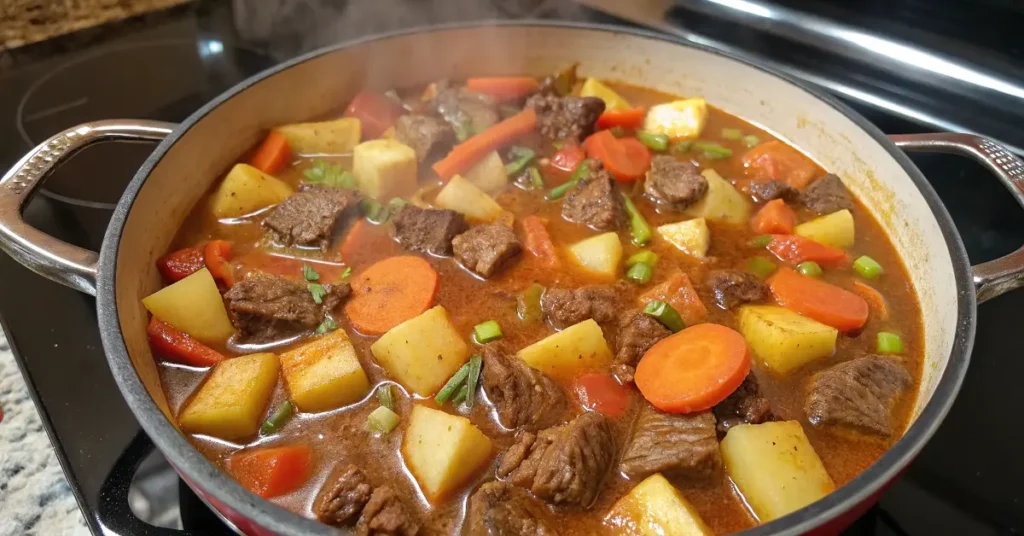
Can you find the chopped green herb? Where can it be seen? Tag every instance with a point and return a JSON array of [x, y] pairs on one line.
[[325, 174], [347, 272], [487, 331], [809, 268], [732, 133], [396, 204], [760, 266], [713, 151], [457, 380], [475, 364], [654, 142], [461, 396], [528, 306], [640, 273], [638, 227], [373, 210], [617, 131], [521, 157], [645, 256], [317, 291], [385, 396], [581, 171], [535, 179], [309, 273], [327, 325], [277, 419], [751, 140], [761, 241], [681, 147], [382, 420], [664, 313], [867, 267], [889, 343]]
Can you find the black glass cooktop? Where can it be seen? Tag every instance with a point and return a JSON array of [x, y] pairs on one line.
[[164, 66]]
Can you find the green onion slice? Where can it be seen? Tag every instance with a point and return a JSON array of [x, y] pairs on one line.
[[486, 332], [654, 142], [382, 420], [277, 419], [867, 267], [475, 364], [889, 343], [386, 396], [457, 380]]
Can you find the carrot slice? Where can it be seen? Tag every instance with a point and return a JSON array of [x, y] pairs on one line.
[[678, 292], [469, 152], [796, 249], [180, 347], [273, 154], [600, 392], [269, 472], [819, 300], [778, 161], [631, 118], [626, 158], [180, 264], [874, 298], [537, 241], [390, 292], [694, 369], [504, 88], [217, 253], [774, 218]]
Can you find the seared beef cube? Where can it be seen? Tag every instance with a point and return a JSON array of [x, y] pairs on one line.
[[858, 394], [501, 509], [386, 514], [674, 184], [563, 465], [565, 118], [744, 406], [637, 333], [471, 111], [343, 496], [682, 446], [266, 308], [523, 396], [596, 203], [424, 133], [565, 307], [733, 287], [485, 248], [309, 217], [827, 195], [427, 230], [767, 190]]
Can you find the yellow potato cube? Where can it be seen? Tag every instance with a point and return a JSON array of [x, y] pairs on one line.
[[655, 508], [246, 190], [489, 174], [723, 202], [785, 340], [385, 168], [193, 305], [691, 236], [324, 374], [600, 255], [325, 137], [612, 100], [835, 229], [678, 119], [464, 197], [775, 468], [231, 402], [443, 451], [575, 349], [422, 352]]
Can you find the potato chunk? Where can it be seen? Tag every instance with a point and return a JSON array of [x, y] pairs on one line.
[[464, 197], [246, 190], [592, 87], [324, 374], [655, 508], [193, 305], [231, 402], [678, 119], [691, 236], [324, 137], [600, 255], [422, 352], [785, 340], [836, 229], [575, 349], [489, 174], [384, 168], [722, 203], [443, 451], [774, 467]]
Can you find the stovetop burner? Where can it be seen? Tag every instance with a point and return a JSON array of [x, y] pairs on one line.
[[966, 481]]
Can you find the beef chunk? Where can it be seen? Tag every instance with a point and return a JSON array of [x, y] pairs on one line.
[[485, 248], [733, 287], [744, 406], [424, 133], [309, 217], [826, 195], [564, 465], [767, 190], [523, 396], [386, 514], [674, 184], [565, 307], [565, 118], [857, 394], [265, 308], [683, 446], [427, 230], [464, 109], [637, 333], [343, 496], [501, 509], [596, 203]]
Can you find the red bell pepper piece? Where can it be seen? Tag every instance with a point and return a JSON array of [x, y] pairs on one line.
[[180, 347], [375, 111], [273, 471], [564, 163], [601, 393], [180, 264]]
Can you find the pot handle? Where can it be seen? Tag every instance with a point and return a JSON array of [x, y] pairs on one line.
[[43, 254], [1006, 273]]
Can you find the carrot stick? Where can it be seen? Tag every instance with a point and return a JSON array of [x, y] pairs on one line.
[[678, 292], [694, 369], [273, 154], [631, 118], [216, 254], [504, 88], [774, 218], [180, 347], [467, 153], [819, 300], [538, 242], [873, 297], [796, 249], [269, 472], [390, 292]]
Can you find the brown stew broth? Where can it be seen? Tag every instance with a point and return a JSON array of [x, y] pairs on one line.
[[340, 437]]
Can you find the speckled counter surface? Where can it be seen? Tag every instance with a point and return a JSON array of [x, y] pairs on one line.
[[34, 495]]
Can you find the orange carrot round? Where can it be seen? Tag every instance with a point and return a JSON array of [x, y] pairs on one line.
[[391, 292], [273, 154], [819, 300], [694, 369], [269, 472]]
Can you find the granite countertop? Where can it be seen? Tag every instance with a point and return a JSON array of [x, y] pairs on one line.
[[34, 495]]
